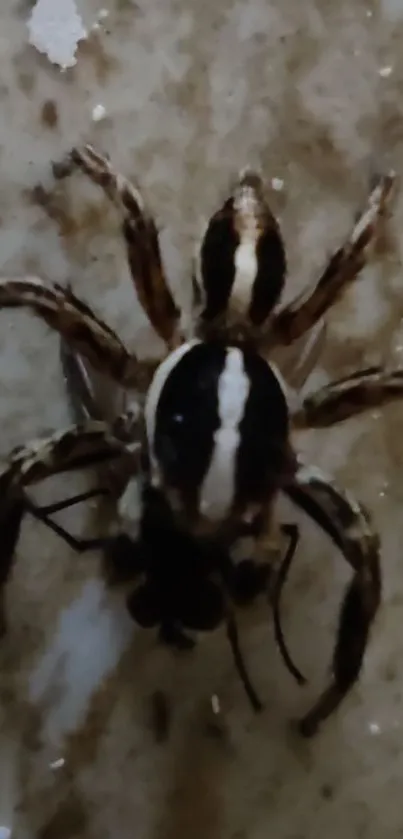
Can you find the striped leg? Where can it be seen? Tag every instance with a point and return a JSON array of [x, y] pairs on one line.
[[141, 237], [76, 323], [301, 314], [351, 395], [75, 448], [348, 523]]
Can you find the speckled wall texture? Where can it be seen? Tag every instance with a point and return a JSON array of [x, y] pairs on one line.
[[312, 93]]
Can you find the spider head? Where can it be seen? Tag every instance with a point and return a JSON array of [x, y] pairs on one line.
[[217, 432], [240, 264]]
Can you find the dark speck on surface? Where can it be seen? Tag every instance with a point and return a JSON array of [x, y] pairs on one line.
[[49, 113]]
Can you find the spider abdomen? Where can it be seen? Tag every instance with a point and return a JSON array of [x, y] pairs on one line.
[[217, 430]]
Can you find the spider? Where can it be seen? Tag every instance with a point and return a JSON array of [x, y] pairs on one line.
[[210, 448]]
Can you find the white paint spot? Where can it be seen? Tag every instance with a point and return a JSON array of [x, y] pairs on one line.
[[103, 14], [374, 728], [215, 704], [277, 184], [92, 633], [369, 13], [55, 29], [384, 72], [57, 764], [98, 113], [217, 491]]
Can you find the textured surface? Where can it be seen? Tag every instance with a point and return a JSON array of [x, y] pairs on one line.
[[192, 92]]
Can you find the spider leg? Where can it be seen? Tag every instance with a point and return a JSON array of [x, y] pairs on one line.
[[226, 572], [92, 398], [76, 543], [12, 511], [89, 403], [77, 447], [296, 362], [141, 237], [233, 638], [43, 513], [293, 534], [301, 314], [50, 509], [351, 395], [75, 322], [79, 385], [348, 524]]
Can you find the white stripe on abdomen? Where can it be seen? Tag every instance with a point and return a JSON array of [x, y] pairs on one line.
[[218, 487]]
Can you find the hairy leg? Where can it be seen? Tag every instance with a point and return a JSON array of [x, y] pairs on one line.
[[141, 237], [296, 362], [79, 385], [348, 524], [351, 395], [301, 314], [77, 324], [76, 447]]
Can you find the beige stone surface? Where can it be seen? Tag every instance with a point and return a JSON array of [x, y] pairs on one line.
[[193, 91]]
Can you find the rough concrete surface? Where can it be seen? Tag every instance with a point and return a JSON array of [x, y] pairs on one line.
[[193, 91]]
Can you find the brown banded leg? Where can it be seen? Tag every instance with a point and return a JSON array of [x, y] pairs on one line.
[[302, 313], [297, 362], [348, 524], [233, 639], [77, 447], [76, 323], [79, 385], [141, 237], [92, 398], [351, 395]]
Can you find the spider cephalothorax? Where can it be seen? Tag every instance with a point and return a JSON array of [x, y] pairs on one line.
[[212, 444]]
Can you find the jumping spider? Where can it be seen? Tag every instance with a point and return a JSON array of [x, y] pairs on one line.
[[212, 447]]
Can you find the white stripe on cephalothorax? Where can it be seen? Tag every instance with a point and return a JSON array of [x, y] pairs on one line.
[[245, 258], [153, 395], [218, 488]]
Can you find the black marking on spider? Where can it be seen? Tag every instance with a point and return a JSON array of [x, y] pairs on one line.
[[213, 447]]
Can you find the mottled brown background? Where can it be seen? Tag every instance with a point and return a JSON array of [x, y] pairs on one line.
[[193, 91]]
